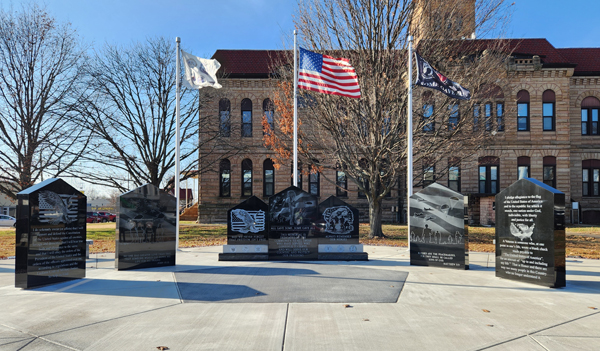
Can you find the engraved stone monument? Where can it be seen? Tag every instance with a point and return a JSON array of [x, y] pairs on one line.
[[146, 229], [50, 234], [438, 234], [339, 228], [530, 233], [247, 232], [293, 214]]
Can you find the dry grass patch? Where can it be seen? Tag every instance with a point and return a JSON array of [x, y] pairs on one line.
[[582, 242]]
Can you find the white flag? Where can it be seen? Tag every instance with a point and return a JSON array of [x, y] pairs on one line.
[[199, 72]]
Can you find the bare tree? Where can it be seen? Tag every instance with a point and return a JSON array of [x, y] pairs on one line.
[[132, 115], [366, 137], [41, 84]]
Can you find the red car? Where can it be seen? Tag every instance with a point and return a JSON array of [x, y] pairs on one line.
[[110, 217], [92, 217]]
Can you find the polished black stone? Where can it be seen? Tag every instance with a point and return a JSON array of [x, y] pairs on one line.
[[146, 229], [530, 233], [50, 234], [438, 234], [338, 222], [248, 223], [293, 214]]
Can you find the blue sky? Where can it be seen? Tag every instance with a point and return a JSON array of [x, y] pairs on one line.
[[207, 25]]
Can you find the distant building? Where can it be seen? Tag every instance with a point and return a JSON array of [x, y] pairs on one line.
[[8, 206]]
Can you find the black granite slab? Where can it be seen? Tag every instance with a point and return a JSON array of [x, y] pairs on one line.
[[50, 234], [248, 223], [438, 234], [146, 229], [530, 233], [293, 214], [338, 222]]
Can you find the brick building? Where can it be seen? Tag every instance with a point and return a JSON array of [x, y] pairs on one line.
[[552, 136]]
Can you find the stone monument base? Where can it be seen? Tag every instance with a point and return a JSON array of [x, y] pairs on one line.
[[243, 257], [356, 256]]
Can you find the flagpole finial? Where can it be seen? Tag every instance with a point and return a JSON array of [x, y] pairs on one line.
[[178, 39]]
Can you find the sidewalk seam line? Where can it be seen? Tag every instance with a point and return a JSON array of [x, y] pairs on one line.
[[285, 327], [535, 332], [177, 287], [539, 343], [35, 337]]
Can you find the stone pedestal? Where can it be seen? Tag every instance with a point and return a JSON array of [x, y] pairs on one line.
[[530, 234], [50, 234], [247, 232], [438, 234], [146, 229]]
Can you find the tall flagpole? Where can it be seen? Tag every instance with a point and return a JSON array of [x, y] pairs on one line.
[[295, 170], [409, 142], [178, 88]]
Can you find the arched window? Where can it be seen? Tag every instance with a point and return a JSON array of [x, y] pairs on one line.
[[299, 175], [269, 112], [591, 177], [247, 118], [494, 94], [523, 110], [225, 178], [453, 116], [589, 116], [428, 119], [247, 177], [489, 174], [550, 171], [224, 120], [314, 182], [268, 178], [549, 110], [487, 116], [523, 164]]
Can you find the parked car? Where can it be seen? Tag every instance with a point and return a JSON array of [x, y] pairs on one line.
[[7, 221], [92, 217], [111, 217]]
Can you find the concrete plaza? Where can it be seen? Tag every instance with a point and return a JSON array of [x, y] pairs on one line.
[[382, 304]]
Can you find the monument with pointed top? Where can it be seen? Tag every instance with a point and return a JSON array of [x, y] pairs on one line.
[[247, 232], [50, 234], [530, 233]]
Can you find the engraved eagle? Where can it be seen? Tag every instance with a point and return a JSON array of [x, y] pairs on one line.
[[53, 208]]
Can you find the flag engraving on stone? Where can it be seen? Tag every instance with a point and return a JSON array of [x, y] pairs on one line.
[[243, 221], [428, 77], [199, 72], [57, 208], [327, 74]]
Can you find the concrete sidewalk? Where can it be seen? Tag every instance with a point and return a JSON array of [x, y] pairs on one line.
[[437, 309]]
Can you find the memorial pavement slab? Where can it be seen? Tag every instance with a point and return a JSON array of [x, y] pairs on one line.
[[185, 327], [438, 309]]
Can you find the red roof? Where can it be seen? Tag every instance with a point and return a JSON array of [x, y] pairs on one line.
[[587, 60], [249, 63], [263, 63]]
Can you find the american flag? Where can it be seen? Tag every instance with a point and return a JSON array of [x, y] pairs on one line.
[[327, 75]]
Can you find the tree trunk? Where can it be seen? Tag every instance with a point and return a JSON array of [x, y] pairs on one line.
[[375, 214]]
